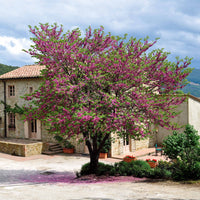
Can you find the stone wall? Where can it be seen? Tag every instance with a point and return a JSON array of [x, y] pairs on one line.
[[1, 110], [190, 114], [116, 145], [80, 146], [141, 144], [181, 119], [22, 87], [194, 113], [21, 149]]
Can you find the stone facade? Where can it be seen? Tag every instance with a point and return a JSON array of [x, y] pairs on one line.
[[194, 112], [190, 114], [118, 146], [21, 130], [22, 87]]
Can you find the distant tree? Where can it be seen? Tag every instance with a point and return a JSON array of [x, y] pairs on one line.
[[6, 68], [100, 84]]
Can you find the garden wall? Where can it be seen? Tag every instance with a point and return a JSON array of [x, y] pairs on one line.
[[20, 149]]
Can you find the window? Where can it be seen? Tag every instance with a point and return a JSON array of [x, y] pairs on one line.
[[11, 120], [30, 90], [11, 90], [34, 126]]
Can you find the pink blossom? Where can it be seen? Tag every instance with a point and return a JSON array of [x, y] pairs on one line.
[[97, 82]]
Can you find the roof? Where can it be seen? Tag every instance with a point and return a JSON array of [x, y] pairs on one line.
[[194, 98], [27, 71]]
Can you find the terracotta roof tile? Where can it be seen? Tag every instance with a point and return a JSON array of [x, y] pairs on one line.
[[27, 71]]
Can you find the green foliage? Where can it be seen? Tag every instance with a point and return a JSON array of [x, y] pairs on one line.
[[185, 148], [6, 68], [103, 169], [141, 164], [85, 169], [107, 145], [137, 168], [161, 173], [173, 145], [67, 144], [185, 171], [163, 170], [183, 145], [58, 138], [165, 165], [16, 109]]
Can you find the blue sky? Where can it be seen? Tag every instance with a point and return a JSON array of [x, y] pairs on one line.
[[175, 22]]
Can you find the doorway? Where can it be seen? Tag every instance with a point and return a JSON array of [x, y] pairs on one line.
[[32, 129], [126, 144]]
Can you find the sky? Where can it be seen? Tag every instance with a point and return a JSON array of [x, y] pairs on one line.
[[175, 22]]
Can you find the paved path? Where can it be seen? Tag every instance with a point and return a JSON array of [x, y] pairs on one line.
[[51, 169], [51, 177]]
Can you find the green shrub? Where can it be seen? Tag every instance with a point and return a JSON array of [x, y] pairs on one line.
[[138, 168], [85, 169], [165, 165], [161, 173], [122, 168], [183, 145], [103, 169], [174, 145], [184, 171], [185, 148], [141, 163]]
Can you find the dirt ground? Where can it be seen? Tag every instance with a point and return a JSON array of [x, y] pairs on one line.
[[51, 178]]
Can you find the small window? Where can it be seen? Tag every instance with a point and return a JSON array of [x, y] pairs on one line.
[[11, 90], [11, 120], [34, 126], [30, 90]]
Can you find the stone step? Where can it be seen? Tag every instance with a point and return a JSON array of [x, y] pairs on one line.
[[55, 148], [55, 145], [51, 152]]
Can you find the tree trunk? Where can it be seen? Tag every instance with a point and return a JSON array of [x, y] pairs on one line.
[[94, 151], [94, 157], [94, 160]]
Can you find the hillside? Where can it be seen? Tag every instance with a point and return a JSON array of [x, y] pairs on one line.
[[6, 68], [194, 86]]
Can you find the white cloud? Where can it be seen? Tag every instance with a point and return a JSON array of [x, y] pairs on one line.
[[177, 23], [11, 49], [181, 43], [14, 46]]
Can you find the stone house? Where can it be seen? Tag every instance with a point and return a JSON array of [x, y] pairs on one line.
[[13, 85], [190, 114], [26, 79]]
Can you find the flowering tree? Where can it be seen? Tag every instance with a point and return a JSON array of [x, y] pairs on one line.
[[99, 84]]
